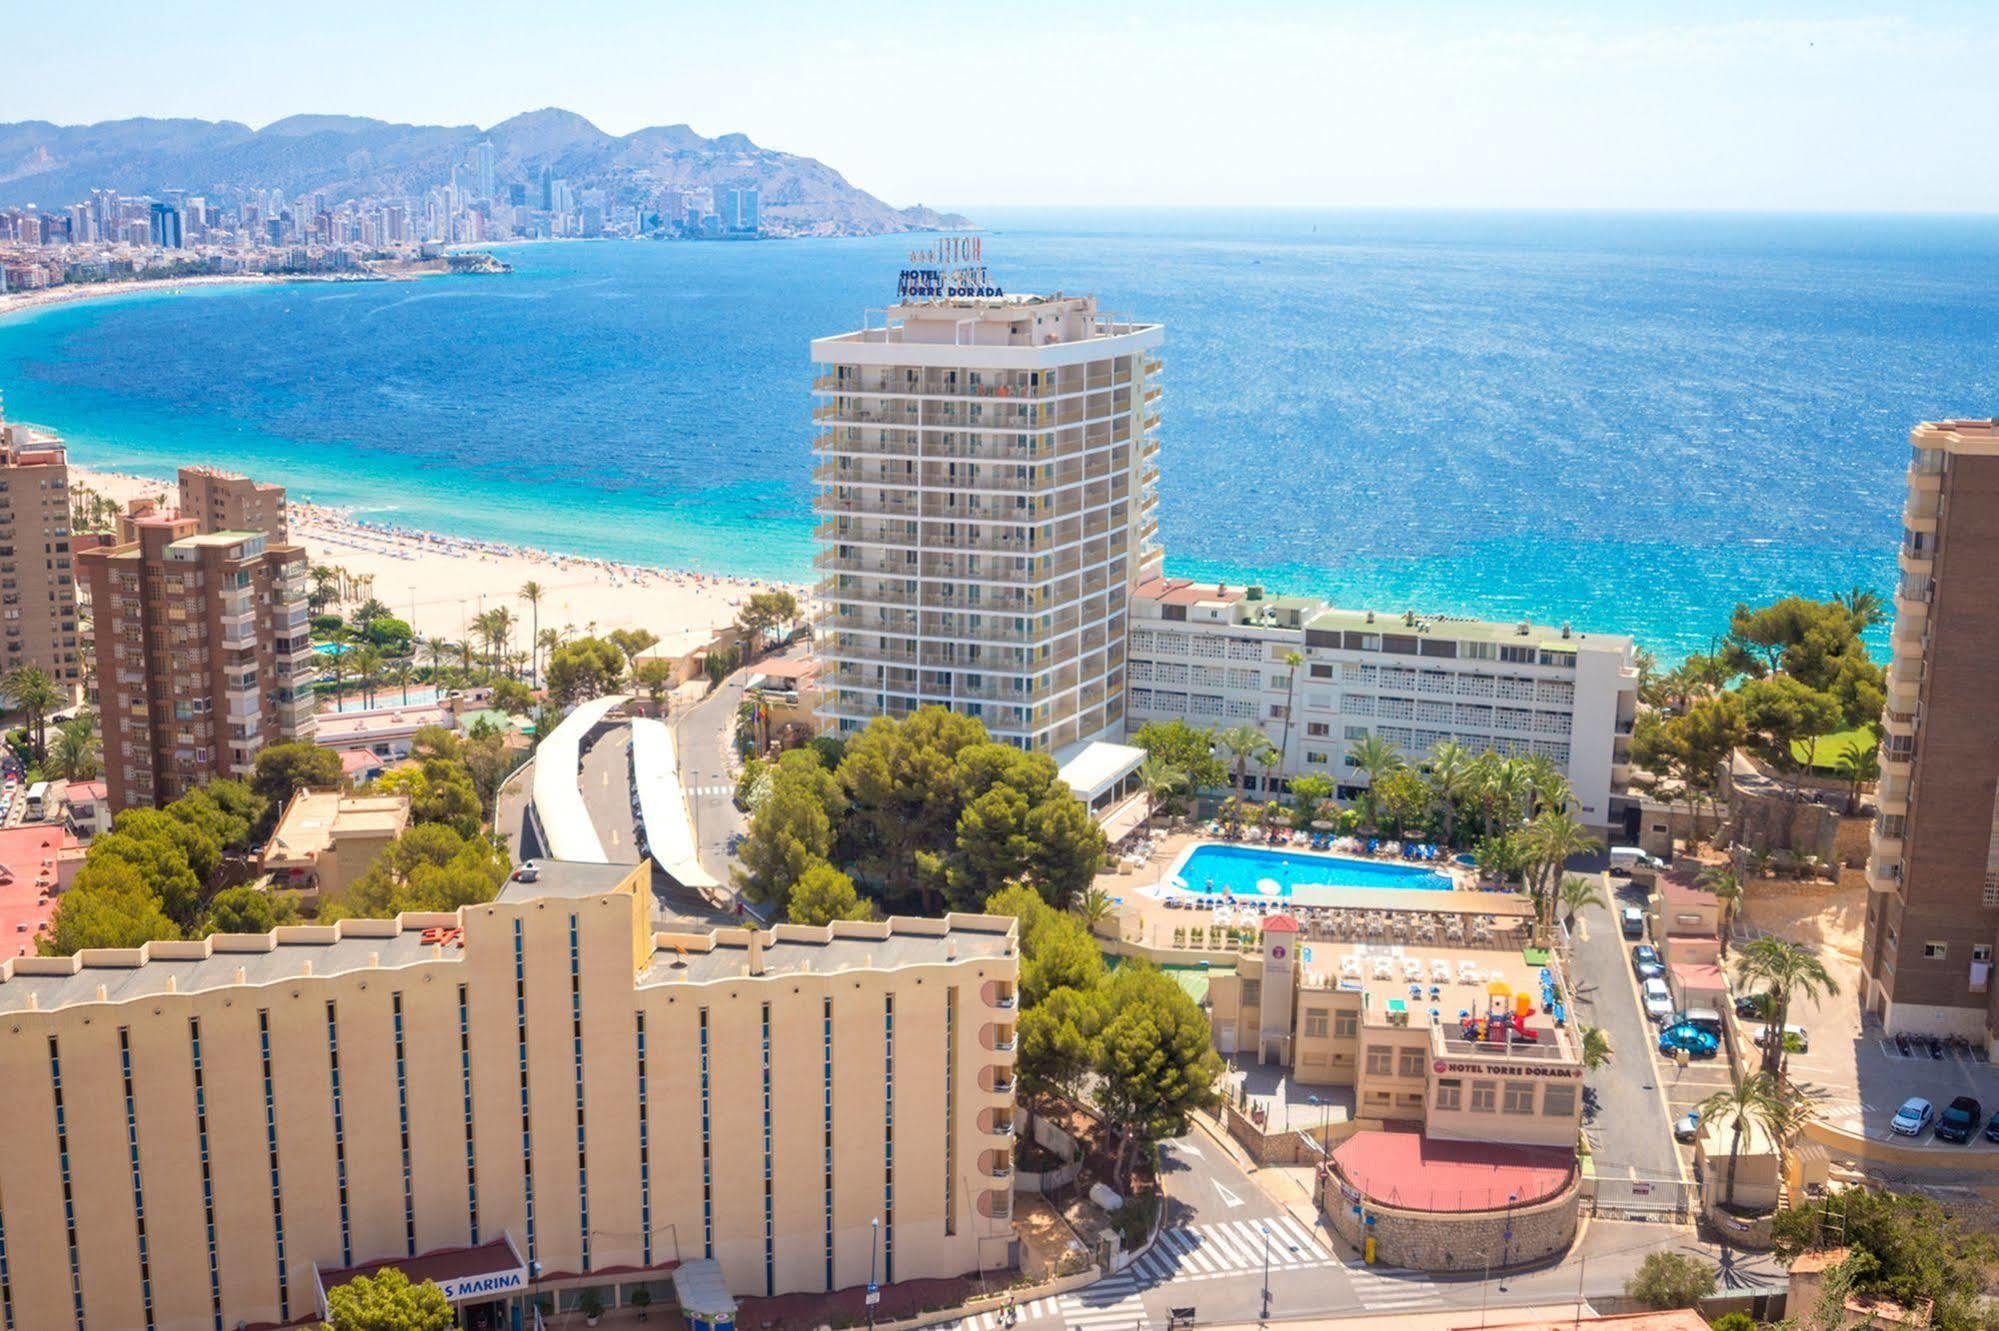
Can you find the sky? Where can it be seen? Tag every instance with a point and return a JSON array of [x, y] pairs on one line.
[[1839, 106]]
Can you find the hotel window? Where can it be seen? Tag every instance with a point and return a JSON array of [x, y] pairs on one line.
[[68, 1184], [826, 1118], [1483, 1096], [1380, 1060], [1346, 1024], [1321, 670], [1252, 993], [1315, 1023], [1519, 1098], [1559, 1100], [1318, 730], [645, 1148], [339, 1134], [521, 1067], [207, 1176], [403, 1123], [277, 1182], [1981, 951], [576, 1038], [1935, 951], [1409, 1063], [138, 1185], [770, 1195], [1450, 1093], [1315, 758], [465, 1078], [707, 1150], [888, 1138]]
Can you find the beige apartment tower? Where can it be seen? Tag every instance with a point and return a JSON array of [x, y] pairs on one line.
[[202, 655], [987, 474], [225, 501], [1933, 868], [198, 1133], [38, 623]]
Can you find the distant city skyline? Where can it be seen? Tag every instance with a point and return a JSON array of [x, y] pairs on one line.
[[1842, 105]]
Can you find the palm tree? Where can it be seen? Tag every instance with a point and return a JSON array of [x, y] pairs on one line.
[[367, 670], [1293, 660], [531, 593], [437, 649], [1451, 765], [1503, 781], [74, 755], [1726, 885], [1553, 839], [1241, 744], [1754, 1101], [1577, 892], [1376, 757], [1595, 1047], [1161, 781], [401, 671], [1865, 608], [1547, 788], [1095, 906], [1859, 765], [34, 695], [1788, 970], [325, 585]]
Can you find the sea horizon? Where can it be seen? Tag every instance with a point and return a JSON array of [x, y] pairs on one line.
[[1625, 421]]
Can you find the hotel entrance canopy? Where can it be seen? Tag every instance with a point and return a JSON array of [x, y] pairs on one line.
[[1098, 771], [480, 1274]]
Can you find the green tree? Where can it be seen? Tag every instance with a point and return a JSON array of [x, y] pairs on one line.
[[1782, 712], [584, 668], [1859, 765], [1240, 746], [430, 867], [792, 830], [763, 614], [1155, 1061], [1162, 782], [1451, 768], [1787, 970], [283, 770], [31, 692], [245, 910], [227, 810], [440, 790], [1671, 1280], [655, 677], [1374, 757], [901, 781], [1752, 1102], [823, 894], [157, 853], [75, 754], [1551, 840], [1401, 798], [632, 644], [1058, 1042], [532, 592], [1595, 1047], [1310, 795], [1292, 660], [1577, 892], [109, 905], [1187, 748], [387, 1301], [1915, 1250]]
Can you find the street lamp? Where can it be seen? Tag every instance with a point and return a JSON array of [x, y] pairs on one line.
[[874, 1291], [1506, 1253], [1266, 1269]]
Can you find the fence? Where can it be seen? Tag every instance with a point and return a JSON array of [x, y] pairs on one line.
[[1664, 1199]]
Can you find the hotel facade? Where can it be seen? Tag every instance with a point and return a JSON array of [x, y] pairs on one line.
[[209, 1134], [38, 612], [987, 474], [1219, 656], [1933, 866]]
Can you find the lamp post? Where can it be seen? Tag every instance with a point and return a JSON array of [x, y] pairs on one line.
[[1266, 1269], [1506, 1253], [874, 1291]]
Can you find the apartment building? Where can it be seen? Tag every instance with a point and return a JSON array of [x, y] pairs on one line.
[[38, 620], [1220, 656], [225, 501], [987, 473], [202, 655], [201, 1134], [1933, 866]]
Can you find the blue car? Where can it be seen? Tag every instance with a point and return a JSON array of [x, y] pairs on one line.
[[1698, 1041], [1645, 961]]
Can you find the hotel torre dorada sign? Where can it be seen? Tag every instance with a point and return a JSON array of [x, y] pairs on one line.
[[953, 268]]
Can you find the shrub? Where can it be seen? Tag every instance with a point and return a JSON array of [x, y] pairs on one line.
[[1671, 1280]]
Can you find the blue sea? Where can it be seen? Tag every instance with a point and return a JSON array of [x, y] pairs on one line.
[[1628, 422]]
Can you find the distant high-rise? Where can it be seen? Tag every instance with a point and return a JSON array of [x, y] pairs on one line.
[[547, 188], [166, 229], [485, 160], [35, 561], [737, 208], [202, 655], [986, 493], [225, 501], [1933, 867]]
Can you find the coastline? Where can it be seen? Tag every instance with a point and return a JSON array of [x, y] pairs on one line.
[[440, 584], [21, 302]]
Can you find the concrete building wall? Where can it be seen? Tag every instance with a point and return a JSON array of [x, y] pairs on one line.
[[350, 1187], [38, 614], [224, 501]]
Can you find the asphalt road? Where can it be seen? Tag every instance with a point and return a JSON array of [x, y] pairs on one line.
[[1629, 1130]]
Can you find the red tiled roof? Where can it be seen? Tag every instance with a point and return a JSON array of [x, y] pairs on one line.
[[29, 856], [1179, 591], [1697, 975], [1280, 924]]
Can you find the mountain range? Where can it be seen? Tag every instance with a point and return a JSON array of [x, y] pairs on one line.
[[352, 157]]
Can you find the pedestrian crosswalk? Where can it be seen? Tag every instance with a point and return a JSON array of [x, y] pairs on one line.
[[1230, 1247], [699, 791], [1109, 1305], [1398, 1291]]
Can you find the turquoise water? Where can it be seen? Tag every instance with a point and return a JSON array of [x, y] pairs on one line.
[[1211, 870], [1627, 422]]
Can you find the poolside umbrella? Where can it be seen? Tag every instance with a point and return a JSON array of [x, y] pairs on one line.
[[1269, 887]]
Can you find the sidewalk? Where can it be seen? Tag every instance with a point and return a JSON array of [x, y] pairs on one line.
[[1291, 1188], [1457, 1319]]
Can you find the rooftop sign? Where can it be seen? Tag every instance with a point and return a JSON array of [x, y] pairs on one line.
[[953, 268]]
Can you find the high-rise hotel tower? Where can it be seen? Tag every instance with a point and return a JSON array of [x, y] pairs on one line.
[[1933, 870], [987, 472]]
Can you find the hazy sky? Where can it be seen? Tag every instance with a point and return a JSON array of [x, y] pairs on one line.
[[1836, 105]]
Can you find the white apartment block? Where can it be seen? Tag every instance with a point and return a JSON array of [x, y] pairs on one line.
[[1216, 656], [987, 475]]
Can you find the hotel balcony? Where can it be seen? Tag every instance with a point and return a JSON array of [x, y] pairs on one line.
[[997, 1122], [997, 1164], [996, 1204], [1898, 721], [1884, 870], [998, 1037], [1916, 559], [1000, 994], [1891, 794]]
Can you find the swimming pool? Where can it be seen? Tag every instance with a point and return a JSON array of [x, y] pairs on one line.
[[1249, 871]]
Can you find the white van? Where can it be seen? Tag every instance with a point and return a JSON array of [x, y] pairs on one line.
[[1624, 859], [1797, 1037]]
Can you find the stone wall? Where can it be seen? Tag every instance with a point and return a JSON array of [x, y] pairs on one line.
[[1297, 1147], [1453, 1241]]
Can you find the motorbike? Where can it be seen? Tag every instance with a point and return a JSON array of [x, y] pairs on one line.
[[1936, 1047], [1901, 1044]]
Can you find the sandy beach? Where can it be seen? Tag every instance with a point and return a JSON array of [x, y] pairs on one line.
[[441, 583], [14, 302]]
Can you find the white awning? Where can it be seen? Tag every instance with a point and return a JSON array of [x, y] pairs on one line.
[[561, 820], [663, 805], [1095, 766]]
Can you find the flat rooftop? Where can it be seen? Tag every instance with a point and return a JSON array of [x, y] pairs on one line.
[[563, 878], [1474, 980], [315, 817], [796, 950]]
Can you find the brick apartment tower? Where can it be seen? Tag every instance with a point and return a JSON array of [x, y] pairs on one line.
[[225, 501], [37, 583], [1933, 869], [202, 655]]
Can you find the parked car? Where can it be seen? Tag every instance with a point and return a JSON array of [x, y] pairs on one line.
[[1960, 1120], [1915, 1114], [1632, 920], [1992, 1128], [1658, 1000], [1704, 1017], [1797, 1039], [1623, 859], [1752, 1006], [1697, 1042], [1688, 1126], [1645, 961]]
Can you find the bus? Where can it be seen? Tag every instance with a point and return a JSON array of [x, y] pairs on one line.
[[38, 798]]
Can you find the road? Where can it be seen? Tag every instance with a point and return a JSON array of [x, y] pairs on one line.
[[1210, 1257], [1629, 1130]]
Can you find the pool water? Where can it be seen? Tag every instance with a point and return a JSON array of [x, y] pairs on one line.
[[1247, 871]]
